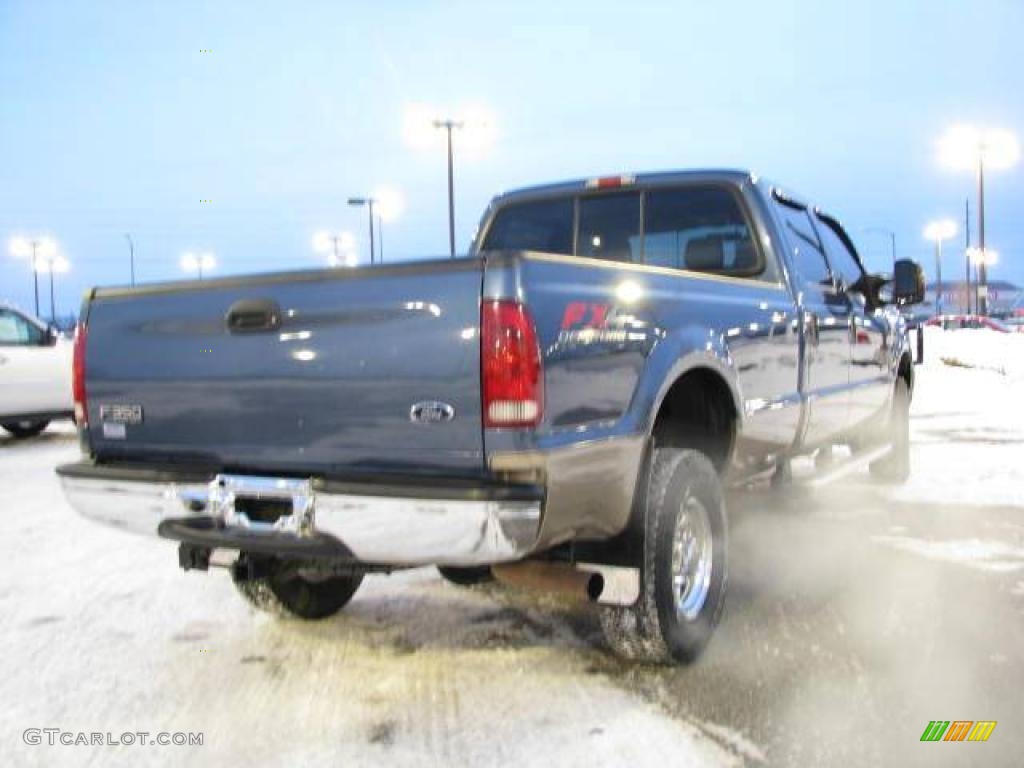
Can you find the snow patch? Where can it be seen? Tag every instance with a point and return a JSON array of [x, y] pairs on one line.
[[991, 556], [733, 739]]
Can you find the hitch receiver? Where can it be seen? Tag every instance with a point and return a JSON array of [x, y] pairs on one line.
[[193, 558]]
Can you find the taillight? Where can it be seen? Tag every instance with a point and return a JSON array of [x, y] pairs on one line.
[[513, 385], [78, 376]]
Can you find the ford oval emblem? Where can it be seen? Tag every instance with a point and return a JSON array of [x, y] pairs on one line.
[[431, 412]]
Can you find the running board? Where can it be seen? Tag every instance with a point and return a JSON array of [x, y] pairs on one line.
[[842, 469]]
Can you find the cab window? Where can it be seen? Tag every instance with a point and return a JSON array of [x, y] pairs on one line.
[[842, 259], [610, 227], [807, 252], [541, 225], [700, 229]]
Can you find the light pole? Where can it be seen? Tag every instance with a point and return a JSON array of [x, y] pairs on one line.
[[197, 262], [333, 244], [369, 202], [892, 239], [35, 248], [937, 231], [967, 147], [131, 254], [448, 125], [53, 264]]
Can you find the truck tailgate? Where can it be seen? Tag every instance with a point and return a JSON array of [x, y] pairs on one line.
[[330, 387]]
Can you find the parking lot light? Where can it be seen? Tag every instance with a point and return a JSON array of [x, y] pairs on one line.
[[968, 147], [937, 231], [198, 262]]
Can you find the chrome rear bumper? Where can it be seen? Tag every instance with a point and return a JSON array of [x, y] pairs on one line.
[[371, 524]]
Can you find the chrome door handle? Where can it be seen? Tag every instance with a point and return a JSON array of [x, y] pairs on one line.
[[811, 327]]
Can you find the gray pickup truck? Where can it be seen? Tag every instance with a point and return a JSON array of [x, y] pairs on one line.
[[560, 409]]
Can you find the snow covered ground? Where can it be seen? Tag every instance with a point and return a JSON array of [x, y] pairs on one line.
[[855, 615]]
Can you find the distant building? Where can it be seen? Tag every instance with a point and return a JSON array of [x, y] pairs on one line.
[[1003, 297]]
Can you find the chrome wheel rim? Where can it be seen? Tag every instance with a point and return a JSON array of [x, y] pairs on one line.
[[691, 558]]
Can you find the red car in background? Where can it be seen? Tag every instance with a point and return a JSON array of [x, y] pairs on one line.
[[954, 322]]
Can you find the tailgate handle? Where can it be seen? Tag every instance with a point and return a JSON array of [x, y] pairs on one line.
[[253, 316]]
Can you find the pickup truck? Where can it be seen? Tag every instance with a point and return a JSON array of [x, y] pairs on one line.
[[561, 409], [35, 373]]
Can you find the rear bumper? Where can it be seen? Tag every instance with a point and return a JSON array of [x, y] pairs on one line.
[[401, 525]]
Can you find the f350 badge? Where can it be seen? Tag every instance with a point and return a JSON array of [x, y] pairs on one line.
[[431, 412]]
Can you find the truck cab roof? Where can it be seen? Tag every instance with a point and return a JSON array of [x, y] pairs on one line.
[[625, 180]]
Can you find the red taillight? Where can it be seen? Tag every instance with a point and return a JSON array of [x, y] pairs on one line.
[[78, 376], [513, 386]]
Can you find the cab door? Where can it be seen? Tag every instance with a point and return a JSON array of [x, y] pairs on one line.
[[826, 316], [869, 335]]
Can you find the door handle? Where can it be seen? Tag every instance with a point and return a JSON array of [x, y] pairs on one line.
[[253, 316], [811, 327]]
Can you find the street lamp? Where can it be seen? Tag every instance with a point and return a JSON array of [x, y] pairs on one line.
[[983, 258], [448, 126], [389, 205], [937, 231], [967, 147], [476, 126], [35, 248], [333, 244], [131, 254], [369, 202], [198, 262], [55, 264]]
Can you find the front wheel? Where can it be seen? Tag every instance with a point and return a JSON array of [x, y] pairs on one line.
[[22, 429], [894, 467], [295, 589], [683, 573]]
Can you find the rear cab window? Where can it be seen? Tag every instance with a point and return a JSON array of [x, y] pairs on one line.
[[696, 227], [540, 225], [701, 229]]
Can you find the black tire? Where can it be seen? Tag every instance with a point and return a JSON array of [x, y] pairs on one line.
[[466, 576], [894, 467], [21, 429], [665, 626], [290, 590]]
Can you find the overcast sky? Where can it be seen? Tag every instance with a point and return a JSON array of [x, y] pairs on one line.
[[114, 119]]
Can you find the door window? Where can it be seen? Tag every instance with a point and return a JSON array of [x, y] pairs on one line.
[[842, 259], [808, 254], [15, 330], [610, 227]]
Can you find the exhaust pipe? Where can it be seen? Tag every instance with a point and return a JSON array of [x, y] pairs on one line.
[[609, 585]]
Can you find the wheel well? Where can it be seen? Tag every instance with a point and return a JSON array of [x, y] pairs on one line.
[[698, 412]]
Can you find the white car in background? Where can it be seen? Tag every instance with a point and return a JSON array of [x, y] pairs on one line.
[[35, 374]]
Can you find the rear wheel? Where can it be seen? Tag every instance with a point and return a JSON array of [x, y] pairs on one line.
[[25, 428], [293, 588], [466, 577], [894, 467], [683, 573]]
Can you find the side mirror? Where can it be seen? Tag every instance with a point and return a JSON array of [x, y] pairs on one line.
[[51, 336], [907, 282]]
